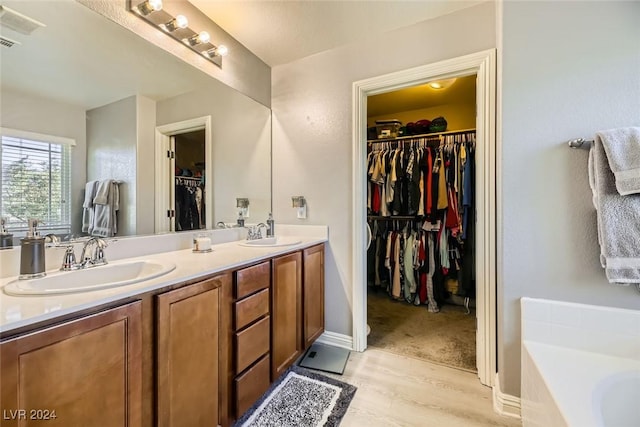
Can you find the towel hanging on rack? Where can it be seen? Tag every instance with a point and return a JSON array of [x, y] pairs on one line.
[[618, 220]]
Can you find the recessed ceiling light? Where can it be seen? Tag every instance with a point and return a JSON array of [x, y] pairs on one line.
[[441, 84]]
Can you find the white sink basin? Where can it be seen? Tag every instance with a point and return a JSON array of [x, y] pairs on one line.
[[270, 242], [106, 276]]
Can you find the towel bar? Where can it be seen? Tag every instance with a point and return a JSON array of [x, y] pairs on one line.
[[579, 143]]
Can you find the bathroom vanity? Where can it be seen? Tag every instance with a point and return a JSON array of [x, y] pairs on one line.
[[196, 347]]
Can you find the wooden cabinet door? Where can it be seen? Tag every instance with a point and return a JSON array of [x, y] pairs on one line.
[[313, 293], [286, 312], [87, 370], [187, 356]]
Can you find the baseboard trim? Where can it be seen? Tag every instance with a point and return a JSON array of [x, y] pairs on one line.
[[335, 339], [505, 404]]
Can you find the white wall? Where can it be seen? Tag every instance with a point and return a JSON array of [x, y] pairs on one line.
[[111, 154], [36, 114], [569, 69], [312, 114]]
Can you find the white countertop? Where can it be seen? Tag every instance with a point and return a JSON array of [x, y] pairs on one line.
[[16, 312]]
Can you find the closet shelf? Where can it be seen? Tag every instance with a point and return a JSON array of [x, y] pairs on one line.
[[424, 135]]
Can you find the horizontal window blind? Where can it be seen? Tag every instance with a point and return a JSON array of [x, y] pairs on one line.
[[35, 183]]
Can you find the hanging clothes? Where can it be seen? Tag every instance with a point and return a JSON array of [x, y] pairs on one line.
[[430, 179]]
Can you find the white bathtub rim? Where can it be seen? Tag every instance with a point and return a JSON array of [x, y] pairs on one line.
[[571, 391]]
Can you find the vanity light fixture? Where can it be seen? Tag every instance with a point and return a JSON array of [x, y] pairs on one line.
[[152, 12], [442, 84], [300, 203]]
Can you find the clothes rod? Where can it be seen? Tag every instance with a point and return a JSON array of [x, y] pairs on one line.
[[580, 143], [421, 136]]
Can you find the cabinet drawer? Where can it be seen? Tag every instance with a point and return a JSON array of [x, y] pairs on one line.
[[252, 279], [252, 343], [251, 308], [251, 385]]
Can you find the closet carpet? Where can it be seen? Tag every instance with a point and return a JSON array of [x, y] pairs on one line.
[[447, 337]]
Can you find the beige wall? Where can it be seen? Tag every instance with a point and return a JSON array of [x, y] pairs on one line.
[[312, 116], [569, 69]]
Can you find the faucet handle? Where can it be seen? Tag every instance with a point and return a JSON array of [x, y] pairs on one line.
[[52, 239], [98, 254], [69, 261]]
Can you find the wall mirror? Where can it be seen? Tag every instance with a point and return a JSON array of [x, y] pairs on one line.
[[86, 79]]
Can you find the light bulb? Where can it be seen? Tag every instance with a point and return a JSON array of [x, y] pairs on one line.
[[156, 5], [179, 21], [149, 6], [204, 37], [222, 50]]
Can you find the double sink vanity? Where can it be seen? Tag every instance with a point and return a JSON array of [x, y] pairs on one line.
[[194, 343]]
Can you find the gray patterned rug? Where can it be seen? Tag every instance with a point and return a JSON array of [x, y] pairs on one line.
[[300, 398]]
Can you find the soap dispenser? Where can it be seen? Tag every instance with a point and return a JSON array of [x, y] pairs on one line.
[[6, 238], [270, 226], [32, 253], [240, 221]]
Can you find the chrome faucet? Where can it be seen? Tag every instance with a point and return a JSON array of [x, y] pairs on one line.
[[92, 255], [97, 258], [254, 232]]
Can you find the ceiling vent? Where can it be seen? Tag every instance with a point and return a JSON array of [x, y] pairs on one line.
[[6, 42], [18, 22]]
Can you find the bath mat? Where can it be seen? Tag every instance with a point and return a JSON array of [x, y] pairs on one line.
[[300, 398], [326, 358]]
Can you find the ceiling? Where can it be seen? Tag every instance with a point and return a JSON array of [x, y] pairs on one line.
[[462, 91], [279, 32]]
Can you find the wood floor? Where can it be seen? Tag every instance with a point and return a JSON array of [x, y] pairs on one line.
[[395, 390]]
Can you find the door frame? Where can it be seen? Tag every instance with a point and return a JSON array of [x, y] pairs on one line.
[[164, 176], [483, 64]]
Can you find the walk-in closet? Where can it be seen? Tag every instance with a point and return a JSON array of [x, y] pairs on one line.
[[421, 221]]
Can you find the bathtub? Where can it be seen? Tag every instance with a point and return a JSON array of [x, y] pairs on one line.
[[580, 365]]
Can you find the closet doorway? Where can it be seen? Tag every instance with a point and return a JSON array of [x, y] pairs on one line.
[[183, 184], [189, 166], [420, 218], [482, 65]]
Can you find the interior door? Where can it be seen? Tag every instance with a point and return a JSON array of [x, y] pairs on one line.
[[172, 179]]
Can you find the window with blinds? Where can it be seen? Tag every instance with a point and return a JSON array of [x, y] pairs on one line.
[[35, 183]]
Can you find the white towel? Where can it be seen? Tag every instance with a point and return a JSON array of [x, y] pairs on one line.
[[102, 192], [618, 220], [87, 211], [623, 152], [105, 219]]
